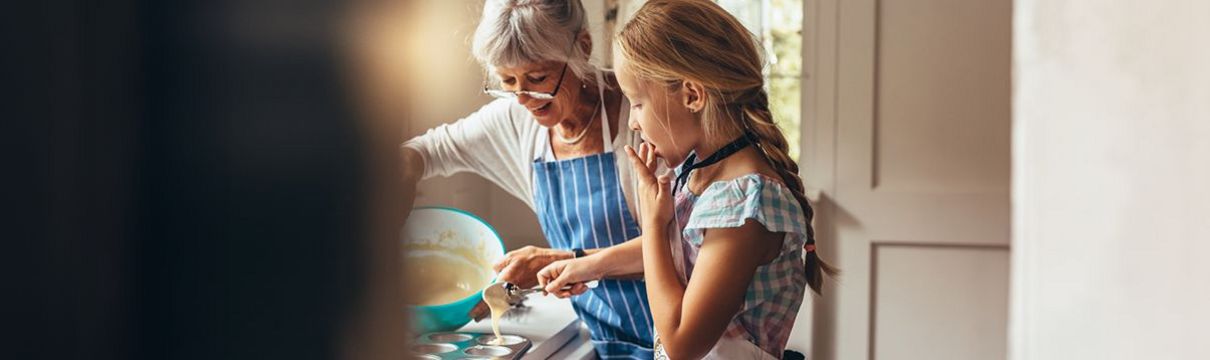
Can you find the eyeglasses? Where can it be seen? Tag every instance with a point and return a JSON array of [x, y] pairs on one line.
[[506, 94]]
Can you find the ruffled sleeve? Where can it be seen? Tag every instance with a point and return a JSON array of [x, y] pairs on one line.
[[730, 203]]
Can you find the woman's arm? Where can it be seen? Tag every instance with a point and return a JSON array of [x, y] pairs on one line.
[[471, 144], [487, 143]]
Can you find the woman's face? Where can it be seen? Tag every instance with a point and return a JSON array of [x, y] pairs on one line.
[[542, 77], [658, 113]]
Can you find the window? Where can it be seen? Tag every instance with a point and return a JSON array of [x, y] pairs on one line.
[[778, 24]]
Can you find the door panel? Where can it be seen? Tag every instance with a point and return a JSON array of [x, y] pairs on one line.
[[942, 96], [939, 302], [908, 131]]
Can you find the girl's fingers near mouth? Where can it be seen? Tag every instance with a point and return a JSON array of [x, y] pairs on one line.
[[637, 163], [651, 159], [651, 163]]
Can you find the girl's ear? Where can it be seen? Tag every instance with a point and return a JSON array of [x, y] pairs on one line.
[[584, 41], [694, 95]]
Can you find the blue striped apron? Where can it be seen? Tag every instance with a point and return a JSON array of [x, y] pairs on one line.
[[580, 205]]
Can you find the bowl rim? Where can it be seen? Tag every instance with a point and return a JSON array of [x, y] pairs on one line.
[[500, 240]]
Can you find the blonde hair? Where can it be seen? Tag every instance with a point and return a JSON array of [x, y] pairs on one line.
[[519, 32], [671, 41]]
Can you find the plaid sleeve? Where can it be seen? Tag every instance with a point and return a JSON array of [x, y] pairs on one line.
[[730, 204]]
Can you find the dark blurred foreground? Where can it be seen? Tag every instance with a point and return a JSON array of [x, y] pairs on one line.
[[191, 180]]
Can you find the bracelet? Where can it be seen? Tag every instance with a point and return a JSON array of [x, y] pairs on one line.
[[579, 253]]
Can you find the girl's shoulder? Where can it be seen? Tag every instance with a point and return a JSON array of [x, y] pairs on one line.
[[730, 203]]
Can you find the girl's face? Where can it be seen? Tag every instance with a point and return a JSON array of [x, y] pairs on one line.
[[659, 113], [542, 77]]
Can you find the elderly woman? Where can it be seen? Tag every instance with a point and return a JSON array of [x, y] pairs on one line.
[[552, 140]]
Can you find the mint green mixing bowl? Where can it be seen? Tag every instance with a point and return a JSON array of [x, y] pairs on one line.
[[427, 225]]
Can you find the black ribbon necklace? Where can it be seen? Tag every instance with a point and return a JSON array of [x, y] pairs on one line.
[[742, 142]]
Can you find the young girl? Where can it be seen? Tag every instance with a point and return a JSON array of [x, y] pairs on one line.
[[734, 213]]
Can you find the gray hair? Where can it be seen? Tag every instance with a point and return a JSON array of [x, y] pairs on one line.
[[519, 32]]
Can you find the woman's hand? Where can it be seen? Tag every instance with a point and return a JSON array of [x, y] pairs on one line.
[[520, 267], [574, 272], [655, 193]]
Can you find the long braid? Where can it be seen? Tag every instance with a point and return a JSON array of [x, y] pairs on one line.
[[773, 146]]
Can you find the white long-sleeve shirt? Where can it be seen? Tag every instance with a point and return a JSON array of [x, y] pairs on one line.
[[500, 142]]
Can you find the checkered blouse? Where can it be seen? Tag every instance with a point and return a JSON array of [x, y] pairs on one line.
[[776, 292]]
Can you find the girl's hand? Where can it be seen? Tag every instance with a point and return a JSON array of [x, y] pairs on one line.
[[560, 273], [655, 193]]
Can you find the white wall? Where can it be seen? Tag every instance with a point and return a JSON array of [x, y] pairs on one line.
[[1111, 180]]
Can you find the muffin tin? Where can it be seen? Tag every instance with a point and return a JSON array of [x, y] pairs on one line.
[[463, 345]]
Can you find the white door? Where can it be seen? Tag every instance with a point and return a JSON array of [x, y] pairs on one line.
[[906, 139]]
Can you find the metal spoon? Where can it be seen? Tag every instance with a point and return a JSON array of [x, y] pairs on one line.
[[513, 294]]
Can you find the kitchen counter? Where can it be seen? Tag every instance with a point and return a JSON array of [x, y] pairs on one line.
[[550, 323]]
